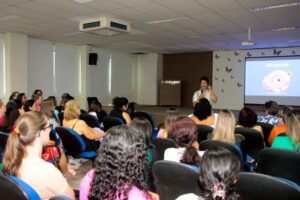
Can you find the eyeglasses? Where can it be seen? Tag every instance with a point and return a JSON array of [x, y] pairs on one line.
[[50, 126]]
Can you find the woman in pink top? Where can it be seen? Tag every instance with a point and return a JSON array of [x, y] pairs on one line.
[[121, 170]]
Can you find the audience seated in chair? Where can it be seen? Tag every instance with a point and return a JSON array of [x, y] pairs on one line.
[[95, 109], [120, 107], [143, 126], [203, 113], [183, 133], [281, 128], [64, 99], [170, 116], [247, 119], [22, 157], [37, 96], [291, 140], [271, 111], [2, 112], [124, 149], [218, 176], [88, 134]]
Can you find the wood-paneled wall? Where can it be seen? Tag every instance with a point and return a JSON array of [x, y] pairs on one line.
[[189, 68]]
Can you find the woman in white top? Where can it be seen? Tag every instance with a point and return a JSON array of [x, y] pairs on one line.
[[184, 133], [218, 176], [22, 157]]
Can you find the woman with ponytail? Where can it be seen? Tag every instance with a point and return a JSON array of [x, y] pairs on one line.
[[22, 157], [183, 133], [218, 176]]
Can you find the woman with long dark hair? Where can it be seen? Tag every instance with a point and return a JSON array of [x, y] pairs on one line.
[[120, 107], [121, 170], [218, 176]]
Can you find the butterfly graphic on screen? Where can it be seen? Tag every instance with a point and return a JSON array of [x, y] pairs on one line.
[[228, 70], [216, 78], [236, 53], [239, 84], [217, 56], [239, 61], [249, 54], [218, 69], [276, 53]]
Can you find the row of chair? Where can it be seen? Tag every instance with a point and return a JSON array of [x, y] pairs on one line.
[[174, 179], [272, 161]]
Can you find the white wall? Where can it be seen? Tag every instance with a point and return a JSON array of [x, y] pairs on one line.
[[15, 63], [229, 84], [2, 67], [149, 73]]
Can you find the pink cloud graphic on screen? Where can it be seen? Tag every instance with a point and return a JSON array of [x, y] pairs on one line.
[[277, 81]]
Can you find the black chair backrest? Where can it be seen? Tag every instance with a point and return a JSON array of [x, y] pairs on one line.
[[109, 122], [145, 115], [253, 142], [267, 128], [281, 163], [70, 142], [90, 120], [203, 131], [161, 144], [60, 197], [11, 190], [210, 144], [259, 186], [174, 179]]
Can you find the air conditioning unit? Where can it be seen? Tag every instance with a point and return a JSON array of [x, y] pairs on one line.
[[104, 26]]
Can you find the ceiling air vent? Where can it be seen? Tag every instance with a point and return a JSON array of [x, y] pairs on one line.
[[104, 26]]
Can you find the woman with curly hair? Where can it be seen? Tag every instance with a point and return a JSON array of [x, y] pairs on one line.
[[121, 170], [218, 176]]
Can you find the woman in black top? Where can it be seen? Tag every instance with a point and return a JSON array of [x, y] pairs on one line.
[[120, 107]]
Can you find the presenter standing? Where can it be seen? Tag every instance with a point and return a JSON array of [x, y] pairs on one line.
[[205, 91]]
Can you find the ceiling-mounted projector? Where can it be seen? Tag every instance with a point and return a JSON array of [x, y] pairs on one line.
[[104, 26], [248, 42]]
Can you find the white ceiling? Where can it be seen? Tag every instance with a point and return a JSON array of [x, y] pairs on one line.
[[206, 25]]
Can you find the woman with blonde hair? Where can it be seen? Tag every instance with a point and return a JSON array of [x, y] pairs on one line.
[[22, 157], [291, 140], [88, 134], [224, 130]]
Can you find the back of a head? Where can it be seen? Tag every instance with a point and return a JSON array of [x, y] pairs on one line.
[[13, 95], [118, 102], [121, 164], [247, 118], [143, 126], [47, 108], [170, 116], [218, 174], [284, 111], [29, 103], [36, 94], [26, 129], [271, 107], [53, 99], [203, 109], [72, 110], [225, 127], [293, 127], [95, 106]]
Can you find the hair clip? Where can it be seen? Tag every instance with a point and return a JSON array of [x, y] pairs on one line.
[[219, 192]]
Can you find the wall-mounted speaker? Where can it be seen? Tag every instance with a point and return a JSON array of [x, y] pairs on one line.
[[93, 58]]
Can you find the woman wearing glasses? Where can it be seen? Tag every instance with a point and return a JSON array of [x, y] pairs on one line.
[[22, 157]]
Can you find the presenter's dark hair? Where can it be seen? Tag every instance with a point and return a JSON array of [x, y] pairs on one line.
[[204, 78]]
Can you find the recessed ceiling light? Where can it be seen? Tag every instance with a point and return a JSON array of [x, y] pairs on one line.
[[166, 20], [286, 28], [8, 17], [83, 1], [275, 6]]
